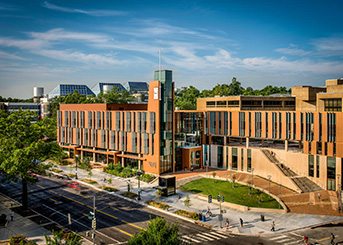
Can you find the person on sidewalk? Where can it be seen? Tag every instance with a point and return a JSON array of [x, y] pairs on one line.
[[241, 221], [227, 224], [273, 226], [332, 241]]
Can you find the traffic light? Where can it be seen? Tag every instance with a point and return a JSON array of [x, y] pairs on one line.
[[222, 198], [94, 223], [209, 198], [218, 198]]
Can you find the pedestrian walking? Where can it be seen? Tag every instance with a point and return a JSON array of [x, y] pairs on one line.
[[332, 241], [241, 221], [306, 240], [227, 224], [273, 226]]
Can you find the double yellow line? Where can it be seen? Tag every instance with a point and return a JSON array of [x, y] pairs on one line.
[[100, 211]]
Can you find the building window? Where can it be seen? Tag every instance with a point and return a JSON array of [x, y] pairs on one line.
[[333, 105], [212, 122], [331, 173], [311, 165], [317, 166], [242, 159], [258, 124], [242, 124], [249, 160], [234, 159], [331, 127]]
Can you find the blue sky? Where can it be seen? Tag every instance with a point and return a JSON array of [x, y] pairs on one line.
[[44, 43]]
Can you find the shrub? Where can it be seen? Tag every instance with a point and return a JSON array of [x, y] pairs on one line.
[[129, 194], [187, 214], [109, 188], [147, 178], [160, 205], [90, 181]]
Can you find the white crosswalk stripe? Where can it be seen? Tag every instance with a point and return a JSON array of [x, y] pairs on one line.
[[204, 237], [278, 237], [286, 240]]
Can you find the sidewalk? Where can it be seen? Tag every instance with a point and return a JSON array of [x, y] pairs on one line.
[[19, 225], [252, 220]]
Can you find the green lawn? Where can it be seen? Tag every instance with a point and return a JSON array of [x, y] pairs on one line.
[[240, 194]]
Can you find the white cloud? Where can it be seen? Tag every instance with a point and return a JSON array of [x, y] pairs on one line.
[[96, 13], [329, 44], [292, 50], [59, 34], [9, 56], [79, 57]]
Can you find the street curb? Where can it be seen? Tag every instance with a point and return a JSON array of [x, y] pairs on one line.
[[134, 201]]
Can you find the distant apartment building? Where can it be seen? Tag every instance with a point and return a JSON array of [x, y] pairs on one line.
[[23, 106], [139, 135], [294, 140]]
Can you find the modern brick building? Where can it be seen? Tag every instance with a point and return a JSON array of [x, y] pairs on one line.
[[132, 134], [294, 140]]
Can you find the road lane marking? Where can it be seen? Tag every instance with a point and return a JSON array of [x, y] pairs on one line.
[[285, 240], [278, 237], [56, 211], [205, 237], [218, 234], [294, 242], [112, 216], [192, 239]]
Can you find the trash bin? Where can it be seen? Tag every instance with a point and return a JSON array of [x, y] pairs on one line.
[[262, 217]]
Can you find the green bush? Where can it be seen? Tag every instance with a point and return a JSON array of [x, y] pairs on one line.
[[160, 205], [109, 188], [147, 178], [187, 214]]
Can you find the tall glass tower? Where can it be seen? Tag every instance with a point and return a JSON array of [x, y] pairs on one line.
[[166, 119]]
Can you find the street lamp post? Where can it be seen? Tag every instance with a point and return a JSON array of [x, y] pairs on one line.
[[76, 162], [139, 173]]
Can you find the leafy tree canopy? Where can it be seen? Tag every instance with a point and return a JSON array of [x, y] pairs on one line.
[[185, 98], [62, 237], [158, 232]]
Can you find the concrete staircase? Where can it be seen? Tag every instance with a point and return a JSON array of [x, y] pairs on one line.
[[304, 183]]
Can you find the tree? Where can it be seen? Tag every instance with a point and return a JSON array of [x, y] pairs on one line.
[[186, 98], [62, 237], [21, 239], [115, 96], [23, 146], [158, 232]]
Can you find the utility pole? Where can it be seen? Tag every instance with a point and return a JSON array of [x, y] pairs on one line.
[[94, 221]]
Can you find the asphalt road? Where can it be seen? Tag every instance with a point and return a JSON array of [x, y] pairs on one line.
[[117, 218]]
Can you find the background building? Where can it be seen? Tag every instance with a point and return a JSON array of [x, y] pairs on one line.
[[65, 89], [99, 87]]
